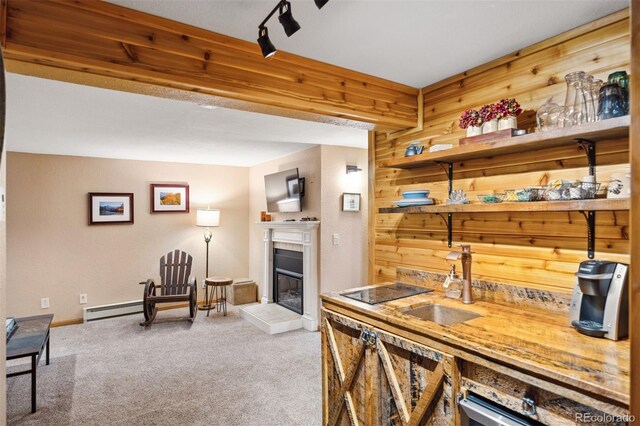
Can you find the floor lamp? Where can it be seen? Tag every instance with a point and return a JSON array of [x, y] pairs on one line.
[[207, 218]]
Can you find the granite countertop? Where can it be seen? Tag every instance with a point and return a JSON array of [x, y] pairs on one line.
[[533, 340]]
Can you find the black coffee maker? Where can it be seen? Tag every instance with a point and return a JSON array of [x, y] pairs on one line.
[[600, 302]]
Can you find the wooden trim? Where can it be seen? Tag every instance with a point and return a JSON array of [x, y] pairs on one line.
[[634, 142], [418, 128], [546, 44], [3, 23], [67, 322], [104, 40], [371, 226]]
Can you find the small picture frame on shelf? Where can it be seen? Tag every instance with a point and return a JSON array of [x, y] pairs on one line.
[[110, 208], [350, 202], [169, 198]]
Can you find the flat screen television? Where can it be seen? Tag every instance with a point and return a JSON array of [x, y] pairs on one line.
[[283, 191]]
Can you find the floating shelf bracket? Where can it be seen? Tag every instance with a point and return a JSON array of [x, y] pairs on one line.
[[590, 217], [449, 222], [589, 148], [448, 170]]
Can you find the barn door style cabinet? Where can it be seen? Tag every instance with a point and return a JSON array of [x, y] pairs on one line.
[[372, 377]]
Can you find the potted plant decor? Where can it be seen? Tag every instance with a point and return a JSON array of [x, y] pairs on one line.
[[470, 120], [489, 116], [506, 112]]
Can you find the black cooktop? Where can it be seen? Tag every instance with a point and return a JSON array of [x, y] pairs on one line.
[[385, 293]]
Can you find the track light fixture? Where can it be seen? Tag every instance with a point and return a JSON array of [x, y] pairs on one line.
[[288, 23], [268, 49], [320, 3], [286, 18]]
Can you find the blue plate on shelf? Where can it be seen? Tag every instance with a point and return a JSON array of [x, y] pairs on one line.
[[420, 193], [414, 202]]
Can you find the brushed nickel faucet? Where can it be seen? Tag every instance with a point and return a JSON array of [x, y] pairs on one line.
[[465, 256]]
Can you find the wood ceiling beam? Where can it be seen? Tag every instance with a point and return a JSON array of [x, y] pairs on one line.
[[100, 44]]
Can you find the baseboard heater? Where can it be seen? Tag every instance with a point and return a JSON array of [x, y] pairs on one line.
[[113, 310]]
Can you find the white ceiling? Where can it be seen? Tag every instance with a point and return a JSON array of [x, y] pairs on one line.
[[414, 42], [51, 117]]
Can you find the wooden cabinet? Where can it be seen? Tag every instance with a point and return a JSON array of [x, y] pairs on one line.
[[372, 377], [517, 392]]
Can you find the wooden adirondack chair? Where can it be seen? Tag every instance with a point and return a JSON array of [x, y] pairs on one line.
[[176, 285]]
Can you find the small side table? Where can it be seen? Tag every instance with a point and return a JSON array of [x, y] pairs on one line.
[[219, 289]]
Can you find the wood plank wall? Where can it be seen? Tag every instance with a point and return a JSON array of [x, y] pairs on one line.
[[538, 250]]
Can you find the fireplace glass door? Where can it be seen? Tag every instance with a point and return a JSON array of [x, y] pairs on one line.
[[288, 279], [289, 290]]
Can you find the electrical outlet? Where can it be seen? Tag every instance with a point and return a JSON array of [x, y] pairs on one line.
[[44, 303], [336, 239], [83, 298]]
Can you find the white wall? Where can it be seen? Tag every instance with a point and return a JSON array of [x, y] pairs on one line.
[[324, 167], [343, 265], [308, 164], [53, 252], [3, 292]]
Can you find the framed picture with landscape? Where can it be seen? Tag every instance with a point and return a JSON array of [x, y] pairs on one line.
[[110, 208], [169, 198]]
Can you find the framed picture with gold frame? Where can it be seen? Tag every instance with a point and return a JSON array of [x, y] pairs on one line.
[[169, 198]]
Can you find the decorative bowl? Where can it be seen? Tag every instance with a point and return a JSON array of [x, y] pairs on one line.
[[419, 193], [491, 198]]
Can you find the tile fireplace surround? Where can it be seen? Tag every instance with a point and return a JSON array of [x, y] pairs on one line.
[[304, 235]]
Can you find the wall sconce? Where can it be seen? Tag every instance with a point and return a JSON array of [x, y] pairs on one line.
[[353, 169]]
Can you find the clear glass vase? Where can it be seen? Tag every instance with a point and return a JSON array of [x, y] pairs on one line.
[[573, 102], [595, 96]]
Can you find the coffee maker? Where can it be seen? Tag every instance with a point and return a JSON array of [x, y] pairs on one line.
[[600, 302]]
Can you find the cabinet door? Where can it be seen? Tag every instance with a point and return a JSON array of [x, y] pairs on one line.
[[415, 385], [346, 390]]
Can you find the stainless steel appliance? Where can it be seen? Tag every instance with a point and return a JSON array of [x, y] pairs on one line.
[[600, 302], [476, 411]]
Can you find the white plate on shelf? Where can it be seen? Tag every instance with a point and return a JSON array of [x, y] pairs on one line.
[[414, 202]]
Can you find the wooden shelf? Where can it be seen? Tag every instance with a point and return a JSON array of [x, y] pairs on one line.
[[607, 129], [536, 206]]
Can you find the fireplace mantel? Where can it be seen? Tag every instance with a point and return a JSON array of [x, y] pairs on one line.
[[304, 234], [298, 224]]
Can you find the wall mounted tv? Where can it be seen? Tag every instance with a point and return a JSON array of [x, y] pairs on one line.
[[284, 191]]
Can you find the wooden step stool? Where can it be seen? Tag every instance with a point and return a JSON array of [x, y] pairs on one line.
[[243, 290]]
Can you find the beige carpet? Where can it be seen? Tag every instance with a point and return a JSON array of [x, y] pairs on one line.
[[216, 371]]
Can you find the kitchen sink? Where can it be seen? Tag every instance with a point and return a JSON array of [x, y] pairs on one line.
[[440, 314]]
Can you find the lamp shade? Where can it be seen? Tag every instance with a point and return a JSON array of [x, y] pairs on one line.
[[208, 217]]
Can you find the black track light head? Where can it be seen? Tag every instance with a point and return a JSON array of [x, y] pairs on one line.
[[268, 49], [286, 19], [320, 3]]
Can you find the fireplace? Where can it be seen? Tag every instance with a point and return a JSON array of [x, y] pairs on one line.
[[301, 237], [288, 279]]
